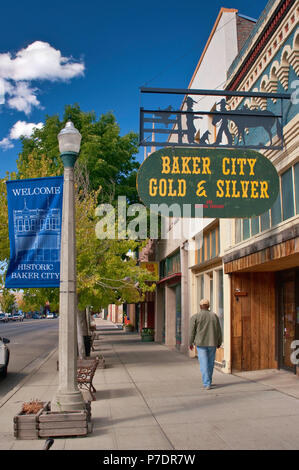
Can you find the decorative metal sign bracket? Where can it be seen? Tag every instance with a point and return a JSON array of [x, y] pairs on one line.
[[243, 120]]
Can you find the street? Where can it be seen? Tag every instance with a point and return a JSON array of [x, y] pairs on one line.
[[29, 340]]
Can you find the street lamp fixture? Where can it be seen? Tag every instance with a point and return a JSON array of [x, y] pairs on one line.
[[69, 139], [68, 396]]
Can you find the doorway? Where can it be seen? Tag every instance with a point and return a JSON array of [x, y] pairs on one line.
[[288, 309], [178, 316]]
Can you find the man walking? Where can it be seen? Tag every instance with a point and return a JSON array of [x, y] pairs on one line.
[[205, 333]]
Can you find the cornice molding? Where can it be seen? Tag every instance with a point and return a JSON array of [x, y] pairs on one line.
[[248, 65]]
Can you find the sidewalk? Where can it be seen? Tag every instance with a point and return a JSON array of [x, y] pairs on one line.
[[149, 397]]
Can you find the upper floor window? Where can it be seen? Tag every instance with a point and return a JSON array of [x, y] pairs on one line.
[[170, 265], [208, 246], [285, 207]]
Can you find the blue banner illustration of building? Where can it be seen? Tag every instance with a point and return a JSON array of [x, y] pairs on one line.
[[34, 223]]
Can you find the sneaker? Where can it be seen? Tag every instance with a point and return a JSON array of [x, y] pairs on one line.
[[208, 387]]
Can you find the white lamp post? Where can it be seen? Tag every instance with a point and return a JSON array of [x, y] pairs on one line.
[[68, 396]]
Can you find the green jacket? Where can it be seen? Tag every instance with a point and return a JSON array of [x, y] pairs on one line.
[[205, 329]]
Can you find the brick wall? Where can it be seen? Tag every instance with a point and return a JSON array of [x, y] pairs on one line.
[[244, 28]]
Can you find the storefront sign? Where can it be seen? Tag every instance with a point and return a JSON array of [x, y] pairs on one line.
[[222, 183], [152, 267], [34, 222]]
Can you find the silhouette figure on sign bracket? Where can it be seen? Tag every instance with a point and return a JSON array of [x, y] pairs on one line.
[[205, 138], [191, 130], [224, 124]]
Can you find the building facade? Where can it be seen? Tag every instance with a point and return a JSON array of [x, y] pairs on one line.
[[263, 259], [247, 268], [190, 259]]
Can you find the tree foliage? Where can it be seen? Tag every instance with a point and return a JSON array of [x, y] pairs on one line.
[[105, 169], [7, 298], [108, 157]]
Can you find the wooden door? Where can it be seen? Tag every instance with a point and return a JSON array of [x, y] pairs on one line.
[[253, 321]]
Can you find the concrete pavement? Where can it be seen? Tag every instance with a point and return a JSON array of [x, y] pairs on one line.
[[149, 397]]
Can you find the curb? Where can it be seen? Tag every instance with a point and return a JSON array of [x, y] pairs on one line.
[[40, 363]]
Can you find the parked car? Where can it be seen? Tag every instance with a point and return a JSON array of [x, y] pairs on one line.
[[3, 317], [50, 315], [8, 316], [18, 317], [4, 356], [36, 316]]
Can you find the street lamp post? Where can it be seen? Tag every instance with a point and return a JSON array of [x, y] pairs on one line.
[[68, 396]]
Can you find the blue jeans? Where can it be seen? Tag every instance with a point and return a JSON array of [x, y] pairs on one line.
[[206, 358]]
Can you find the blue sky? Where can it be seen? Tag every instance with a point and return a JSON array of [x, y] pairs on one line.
[[110, 49]]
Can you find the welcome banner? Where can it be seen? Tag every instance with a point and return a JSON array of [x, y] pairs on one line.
[[34, 223]]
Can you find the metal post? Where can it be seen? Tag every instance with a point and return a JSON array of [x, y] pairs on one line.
[[68, 396]]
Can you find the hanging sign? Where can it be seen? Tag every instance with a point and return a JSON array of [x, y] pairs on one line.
[[34, 222], [220, 183]]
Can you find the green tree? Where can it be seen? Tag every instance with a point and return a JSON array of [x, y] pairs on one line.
[[35, 299], [110, 159], [105, 274], [7, 298]]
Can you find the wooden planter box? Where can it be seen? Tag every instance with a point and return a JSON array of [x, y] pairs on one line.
[[65, 423], [129, 328], [26, 426], [147, 338]]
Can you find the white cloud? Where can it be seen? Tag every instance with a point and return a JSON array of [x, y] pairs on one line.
[[23, 98], [19, 129], [39, 61], [25, 129], [6, 144]]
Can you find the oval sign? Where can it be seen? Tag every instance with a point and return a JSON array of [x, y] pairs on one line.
[[184, 182]]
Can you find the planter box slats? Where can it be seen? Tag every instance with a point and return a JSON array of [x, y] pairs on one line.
[[57, 416], [26, 434], [63, 424], [22, 426], [68, 423], [55, 432], [28, 419]]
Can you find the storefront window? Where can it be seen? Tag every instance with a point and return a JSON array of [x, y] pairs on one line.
[[162, 269], [238, 227], [211, 293], [296, 176], [276, 212], [246, 229], [206, 248], [287, 194], [171, 265], [213, 243], [200, 290], [255, 225], [265, 221]]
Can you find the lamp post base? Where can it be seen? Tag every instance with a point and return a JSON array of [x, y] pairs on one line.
[[68, 401]]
